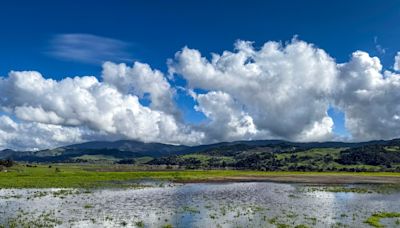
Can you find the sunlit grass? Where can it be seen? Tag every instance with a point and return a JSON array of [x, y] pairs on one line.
[[83, 176]]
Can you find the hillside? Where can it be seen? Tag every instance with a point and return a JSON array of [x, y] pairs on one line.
[[368, 156], [255, 155], [95, 152]]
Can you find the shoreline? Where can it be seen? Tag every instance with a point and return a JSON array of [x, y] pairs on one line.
[[302, 179]]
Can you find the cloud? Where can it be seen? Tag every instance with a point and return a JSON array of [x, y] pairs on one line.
[[88, 48], [280, 91], [277, 91], [284, 91], [89, 103], [33, 135], [378, 47], [369, 98], [227, 120], [141, 80], [396, 65]]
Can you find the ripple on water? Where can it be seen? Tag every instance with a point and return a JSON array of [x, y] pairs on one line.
[[193, 205]]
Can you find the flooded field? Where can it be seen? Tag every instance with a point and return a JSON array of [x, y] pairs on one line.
[[252, 204]]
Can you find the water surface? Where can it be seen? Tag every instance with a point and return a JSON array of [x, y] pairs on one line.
[[253, 204]]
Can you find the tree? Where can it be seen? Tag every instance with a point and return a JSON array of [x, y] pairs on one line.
[[7, 163]]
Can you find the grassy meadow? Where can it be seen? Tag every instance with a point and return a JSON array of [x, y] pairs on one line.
[[88, 176]]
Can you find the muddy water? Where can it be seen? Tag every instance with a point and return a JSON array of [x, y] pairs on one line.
[[259, 204]]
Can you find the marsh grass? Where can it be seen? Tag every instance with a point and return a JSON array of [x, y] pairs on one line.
[[301, 226], [139, 224], [88, 206], [360, 189], [191, 210], [86, 176], [375, 219], [43, 220]]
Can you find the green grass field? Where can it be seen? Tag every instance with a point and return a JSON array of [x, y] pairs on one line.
[[316, 156], [88, 176]]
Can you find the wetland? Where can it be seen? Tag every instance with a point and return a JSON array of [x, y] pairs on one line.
[[219, 204]]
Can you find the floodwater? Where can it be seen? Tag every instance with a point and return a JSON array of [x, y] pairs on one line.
[[252, 204]]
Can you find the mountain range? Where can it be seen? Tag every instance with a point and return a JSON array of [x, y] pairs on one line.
[[116, 151]]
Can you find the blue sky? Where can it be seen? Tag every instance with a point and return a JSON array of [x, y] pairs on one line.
[[157, 29], [153, 31]]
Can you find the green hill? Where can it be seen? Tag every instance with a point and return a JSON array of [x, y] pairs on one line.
[[253, 155], [364, 157]]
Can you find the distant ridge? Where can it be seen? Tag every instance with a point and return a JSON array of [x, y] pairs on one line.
[[130, 149]]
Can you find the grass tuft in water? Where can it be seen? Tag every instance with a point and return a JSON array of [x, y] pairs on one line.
[[88, 206], [139, 224], [375, 219]]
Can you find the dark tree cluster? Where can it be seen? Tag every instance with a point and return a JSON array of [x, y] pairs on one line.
[[188, 163], [369, 155], [257, 161], [361, 158], [126, 161], [7, 163], [231, 150]]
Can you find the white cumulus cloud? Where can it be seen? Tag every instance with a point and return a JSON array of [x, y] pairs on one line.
[[227, 120], [281, 91], [141, 80], [33, 135], [98, 106], [369, 98], [276, 91]]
